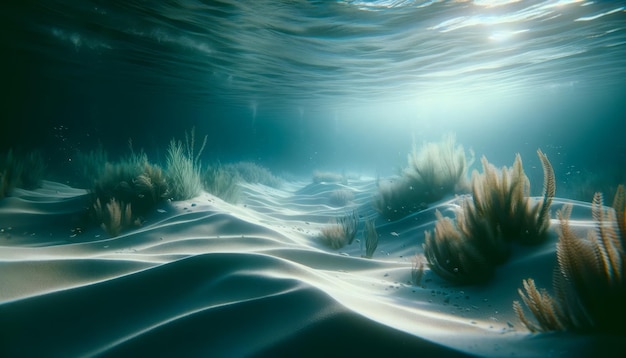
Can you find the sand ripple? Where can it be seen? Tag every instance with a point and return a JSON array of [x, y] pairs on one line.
[[207, 278]]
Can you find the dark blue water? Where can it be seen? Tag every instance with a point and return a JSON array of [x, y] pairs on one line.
[[305, 85]]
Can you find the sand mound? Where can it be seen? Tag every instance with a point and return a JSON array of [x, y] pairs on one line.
[[206, 278]]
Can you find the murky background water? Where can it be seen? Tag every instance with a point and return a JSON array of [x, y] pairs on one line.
[[304, 85]]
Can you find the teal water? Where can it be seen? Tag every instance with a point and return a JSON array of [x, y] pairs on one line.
[[304, 85], [295, 86]]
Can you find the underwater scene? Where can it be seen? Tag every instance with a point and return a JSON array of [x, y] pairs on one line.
[[269, 178]]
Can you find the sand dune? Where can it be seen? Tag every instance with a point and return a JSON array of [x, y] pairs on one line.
[[206, 278]]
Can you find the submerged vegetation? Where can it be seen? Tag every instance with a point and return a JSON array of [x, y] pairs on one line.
[[341, 197], [370, 236], [114, 216], [132, 180], [436, 170], [121, 192], [20, 170], [467, 250], [590, 279], [124, 192], [253, 173], [184, 168], [222, 180], [341, 232], [502, 199], [589, 282]]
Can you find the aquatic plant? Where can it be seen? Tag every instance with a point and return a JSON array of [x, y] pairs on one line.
[[619, 205], [340, 197], [437, 168], [434, 171], [222, 182], [502, 198], [417, 269], [547, 311], [396, 198], [342, 232], [5, 184], [349, 223], [254, 174], [455, 255], [20, 170], [370, 236], [33, 170], [150, 187], [90, 164], [133, 180], [468, 249], [123, 192], [10, 172], [183, 170], [115, 216], [589, 281], [333, 236]]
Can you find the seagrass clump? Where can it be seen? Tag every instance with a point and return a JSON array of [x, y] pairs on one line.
[[370, 237], [455, 256], [467, 250], [340, 233], [502, 197], [435, 170], [114, 216], [589, 282], [134, 181]]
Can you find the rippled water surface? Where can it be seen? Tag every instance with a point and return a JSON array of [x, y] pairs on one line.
[[329, 52], [299, 85]]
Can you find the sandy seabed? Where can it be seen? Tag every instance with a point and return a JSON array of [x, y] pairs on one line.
[[206, 278]]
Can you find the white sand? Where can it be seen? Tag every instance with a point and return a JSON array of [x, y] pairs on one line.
[[204, 277]]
